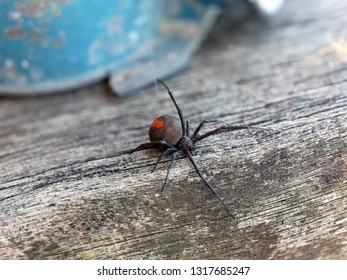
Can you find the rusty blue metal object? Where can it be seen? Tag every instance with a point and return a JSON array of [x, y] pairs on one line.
[[57, 45]]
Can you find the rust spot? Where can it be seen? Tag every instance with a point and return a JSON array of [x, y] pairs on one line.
[[14, 32], [37, 8]]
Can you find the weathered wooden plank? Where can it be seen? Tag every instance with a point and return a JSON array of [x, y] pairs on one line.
[[71, 189]]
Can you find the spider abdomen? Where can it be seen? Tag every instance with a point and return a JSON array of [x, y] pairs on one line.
[[166, 128]]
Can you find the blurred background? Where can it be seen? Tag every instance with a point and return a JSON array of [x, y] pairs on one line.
[[57, 45]]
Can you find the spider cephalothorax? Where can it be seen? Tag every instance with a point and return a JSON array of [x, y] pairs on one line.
[[173, 136]]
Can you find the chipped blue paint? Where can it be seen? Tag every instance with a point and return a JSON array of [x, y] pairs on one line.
[[56, 45]]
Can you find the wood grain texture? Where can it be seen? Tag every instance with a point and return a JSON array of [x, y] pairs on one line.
[[70, 189]]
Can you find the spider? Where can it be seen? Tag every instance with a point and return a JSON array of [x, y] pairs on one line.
[[173, 137]]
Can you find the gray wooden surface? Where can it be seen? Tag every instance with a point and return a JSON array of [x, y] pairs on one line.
[[70, 189]]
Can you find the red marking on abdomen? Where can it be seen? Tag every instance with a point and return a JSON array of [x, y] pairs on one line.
[[158, 123]]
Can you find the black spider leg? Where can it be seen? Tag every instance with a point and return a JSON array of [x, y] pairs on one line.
[[210, 187], [201, 125], [151, 145], [188, 128], [224, 129], [184, 131], [164, 153], [168, 169]]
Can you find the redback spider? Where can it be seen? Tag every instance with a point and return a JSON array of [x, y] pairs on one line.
[[173, 136]]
